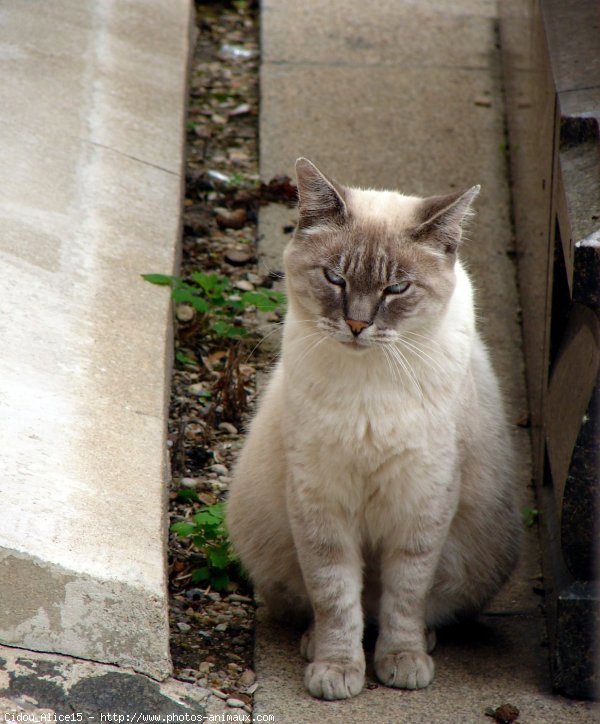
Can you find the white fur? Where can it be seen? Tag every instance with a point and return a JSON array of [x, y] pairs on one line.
[[368, 485]]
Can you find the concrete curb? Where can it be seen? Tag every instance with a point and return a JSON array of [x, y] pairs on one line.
[[92, 135]]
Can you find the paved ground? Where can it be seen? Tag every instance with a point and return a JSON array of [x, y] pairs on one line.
[[405, 95]]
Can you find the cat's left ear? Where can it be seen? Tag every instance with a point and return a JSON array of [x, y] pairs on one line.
[[320, 200], [441, 218]]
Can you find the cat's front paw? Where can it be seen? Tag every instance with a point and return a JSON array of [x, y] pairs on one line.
[[334, 680], [405, 669]]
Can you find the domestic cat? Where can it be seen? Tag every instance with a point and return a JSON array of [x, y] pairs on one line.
[[377, 476]]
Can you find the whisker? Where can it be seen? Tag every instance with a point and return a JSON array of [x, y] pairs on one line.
[[310, 349], [429, 361], [397, 352]]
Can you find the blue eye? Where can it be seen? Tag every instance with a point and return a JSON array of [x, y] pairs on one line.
[[334, 278], [397, 288]]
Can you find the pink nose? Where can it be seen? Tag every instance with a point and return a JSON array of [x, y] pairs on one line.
[[356, 326]]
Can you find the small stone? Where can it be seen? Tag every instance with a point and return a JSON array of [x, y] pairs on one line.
[[237, 257], [217, 486], [247, 678], [229, 428], [227, 219], [205, 667], [254, 278], [190, 482], [185, 313], [222, 627], [236, 156], [251, 689], [238, 598], [194, 594], [219, 469], [214, 596], [219, 693], [244, 285], [235, 703], [184, 627], [241, 110], [271, 317], [219, 120], [504, 714], [199, 388], [483, 102]]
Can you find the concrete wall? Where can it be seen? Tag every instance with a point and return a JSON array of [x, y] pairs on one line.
[[92, 112]]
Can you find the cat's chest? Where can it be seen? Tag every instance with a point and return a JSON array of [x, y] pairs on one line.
[[362, 424]]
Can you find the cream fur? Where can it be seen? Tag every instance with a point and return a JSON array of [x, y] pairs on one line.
[[369, 488]]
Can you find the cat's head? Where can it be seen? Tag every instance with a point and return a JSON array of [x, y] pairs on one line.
[[368, 266]]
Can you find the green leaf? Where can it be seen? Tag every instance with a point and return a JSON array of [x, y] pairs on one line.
[[187, 494], [207, 518], [219, 581], [183, 530], [161, 279], [185, 360], [182, 294], [200, 574], [529, 515], [218, 557], [233, 332], [199, 304]]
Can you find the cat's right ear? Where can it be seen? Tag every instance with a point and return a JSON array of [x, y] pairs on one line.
[[320, 200]]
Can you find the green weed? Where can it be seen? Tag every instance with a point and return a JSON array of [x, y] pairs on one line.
[[217, 302], [207, 532]]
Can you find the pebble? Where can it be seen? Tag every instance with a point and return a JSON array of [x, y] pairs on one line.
[[190, 482], [218, 486], [235, 703], [227, 219], [197, 388], [219, 469], [221, 627], [219, 693], [194, 594], [236, 156], [228, 427], [205, 667], [238, 598], [184, 627], [240, 110], [185, 313], [237, 257], [247, 678], [483, 102], [244, 285]]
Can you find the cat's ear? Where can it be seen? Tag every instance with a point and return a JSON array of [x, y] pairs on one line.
[[320, 200], [441, 218]]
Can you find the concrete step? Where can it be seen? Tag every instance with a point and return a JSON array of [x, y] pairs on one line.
[[92, 112], [408, 96]]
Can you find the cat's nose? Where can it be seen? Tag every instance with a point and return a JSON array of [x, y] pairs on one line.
[[357, 326]]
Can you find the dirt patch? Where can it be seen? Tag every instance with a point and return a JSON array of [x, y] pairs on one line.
[[214, 380]]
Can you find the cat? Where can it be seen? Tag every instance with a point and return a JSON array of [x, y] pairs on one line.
[[377, 478]]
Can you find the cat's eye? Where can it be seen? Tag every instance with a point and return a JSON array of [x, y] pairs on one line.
[[334, 278], [397, 288]]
